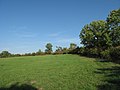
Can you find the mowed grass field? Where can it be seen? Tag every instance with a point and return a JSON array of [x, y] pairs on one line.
[[58, 72]]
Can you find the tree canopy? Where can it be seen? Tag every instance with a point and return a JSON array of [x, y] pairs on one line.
[[5, 54], [72, 46], [48, 48], [102, 34], [96, 35], [113, 21]]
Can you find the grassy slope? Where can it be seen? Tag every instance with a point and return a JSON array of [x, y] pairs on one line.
[[58, 72]]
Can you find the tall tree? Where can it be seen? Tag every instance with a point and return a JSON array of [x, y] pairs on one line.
[[96, 35], [59, 50], [39, 52], [113, 21], [65, 50], [48, 49], [73, 46], [5, 54]]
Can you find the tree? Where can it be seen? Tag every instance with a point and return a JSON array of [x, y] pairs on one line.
[[17, 55], [33, 54], [59, 50], [48, 49], [5, 54], [74, 51], [73, 46], [96, 35], [113, 21], [65, 50], [39, 52]]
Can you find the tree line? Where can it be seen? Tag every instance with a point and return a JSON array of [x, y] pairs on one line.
[[48, 50]]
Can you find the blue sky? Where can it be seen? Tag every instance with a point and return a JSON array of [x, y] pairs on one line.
[[27, 25]]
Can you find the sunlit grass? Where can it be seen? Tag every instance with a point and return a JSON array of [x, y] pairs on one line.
[[53, 72]]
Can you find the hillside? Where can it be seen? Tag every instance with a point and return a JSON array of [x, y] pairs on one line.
[[58, 72]]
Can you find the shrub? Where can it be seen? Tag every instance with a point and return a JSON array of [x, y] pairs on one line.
[[90, 52], [81, 50], [115, 54], [93, 52], [74, 51], [5, 54], [105, 54]]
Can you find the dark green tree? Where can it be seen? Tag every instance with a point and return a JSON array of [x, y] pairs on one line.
[[48, 49], [73, 46], [5, 54], [65, 50], [33, 54], [59, 50], [113, 21], [39, 52], [96, 35]]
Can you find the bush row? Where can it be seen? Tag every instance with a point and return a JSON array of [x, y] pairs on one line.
[[112, 54], [115, 54]]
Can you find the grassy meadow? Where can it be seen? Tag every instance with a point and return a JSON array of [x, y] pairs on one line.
[[58, 72]]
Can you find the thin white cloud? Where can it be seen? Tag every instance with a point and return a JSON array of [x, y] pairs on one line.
[[23, 32], [26, 35], [68, 40], [15, 29], [55, 34], [22, 28]]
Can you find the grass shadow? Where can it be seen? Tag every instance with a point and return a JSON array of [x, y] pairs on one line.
[[101, 60], [18, 86], [112, 78]]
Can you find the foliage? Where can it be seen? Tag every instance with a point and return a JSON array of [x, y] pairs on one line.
[[74, 51], [48, 49], [81, 50], [5, 54], [16, 54], [100, 36], [39, 52], [90, 52], [105, 54], [113, 21], [65, 50], [115, 54], [33, 54], [73, 46], [95, 35], [59, 50], [93, 52]]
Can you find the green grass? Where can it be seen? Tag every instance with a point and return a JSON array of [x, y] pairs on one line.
[[58, 72]]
